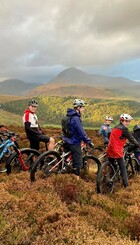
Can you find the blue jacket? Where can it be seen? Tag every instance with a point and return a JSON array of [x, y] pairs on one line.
[[76, 129], [105, 133]]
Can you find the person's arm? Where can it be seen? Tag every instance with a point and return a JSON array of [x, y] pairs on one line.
[[28, 128], [81, 131], [130, 137], [100, 131]]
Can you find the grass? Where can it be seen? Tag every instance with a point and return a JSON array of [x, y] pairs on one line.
[[8, 118]]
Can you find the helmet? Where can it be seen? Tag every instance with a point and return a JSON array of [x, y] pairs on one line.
[[136, 127], [78, 102], [109, 118], [126, 117], [33, 102]]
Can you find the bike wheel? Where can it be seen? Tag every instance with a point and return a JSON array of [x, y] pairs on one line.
[[132, 167], [91, 166], [16, 162], [48, 163], [105, 178]]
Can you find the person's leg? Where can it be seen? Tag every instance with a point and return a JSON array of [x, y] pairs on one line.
[[48, 140], [112, 161], [123, 171], [51, 144], [34, 144], [77, 158]]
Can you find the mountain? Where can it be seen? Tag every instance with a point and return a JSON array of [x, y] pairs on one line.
[[73, 82], [16, 87]]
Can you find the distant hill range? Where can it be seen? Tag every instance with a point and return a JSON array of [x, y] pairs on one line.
[[73, 82], [16, 87]]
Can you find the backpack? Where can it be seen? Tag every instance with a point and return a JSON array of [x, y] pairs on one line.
[[65, 122]]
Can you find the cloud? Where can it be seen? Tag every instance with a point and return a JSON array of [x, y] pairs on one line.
[[40, 38]]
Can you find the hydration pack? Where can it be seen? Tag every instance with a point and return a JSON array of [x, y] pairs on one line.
[[65, 122]]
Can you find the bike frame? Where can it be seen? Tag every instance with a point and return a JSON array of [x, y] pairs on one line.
[[5, 145]]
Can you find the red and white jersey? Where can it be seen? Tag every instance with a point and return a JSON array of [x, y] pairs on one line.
[[30, 117]]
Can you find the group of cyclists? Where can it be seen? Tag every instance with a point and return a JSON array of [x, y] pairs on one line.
[[114, 139]]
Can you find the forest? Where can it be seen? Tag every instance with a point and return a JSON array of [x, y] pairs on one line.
[[51, 109]]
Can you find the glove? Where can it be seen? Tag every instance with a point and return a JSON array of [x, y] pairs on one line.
[[91, 145]]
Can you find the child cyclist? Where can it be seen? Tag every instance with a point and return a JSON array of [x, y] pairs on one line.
[[105, 129], [117, 140], [78, 135]]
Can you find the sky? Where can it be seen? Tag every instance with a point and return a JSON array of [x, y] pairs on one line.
[[41, 38]]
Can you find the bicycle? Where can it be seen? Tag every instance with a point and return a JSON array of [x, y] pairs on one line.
[[16, 159], [60, 162], [108, 177], [132, 164]]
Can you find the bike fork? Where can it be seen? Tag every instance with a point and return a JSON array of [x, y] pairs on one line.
[[25, 168]]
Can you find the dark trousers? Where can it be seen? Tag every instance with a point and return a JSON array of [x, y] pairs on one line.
[[123, 170], [77, 158]]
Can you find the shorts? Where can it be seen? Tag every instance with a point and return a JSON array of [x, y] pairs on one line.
[[34, 141]]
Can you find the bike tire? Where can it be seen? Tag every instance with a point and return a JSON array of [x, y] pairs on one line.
[[105, 180], [91, 166], [100, 153], [132, 167], [48, 163], [28, 155]]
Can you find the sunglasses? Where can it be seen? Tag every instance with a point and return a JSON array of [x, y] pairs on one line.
[[127, 121]]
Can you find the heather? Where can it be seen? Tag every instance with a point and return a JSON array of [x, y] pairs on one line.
[[62, 210]]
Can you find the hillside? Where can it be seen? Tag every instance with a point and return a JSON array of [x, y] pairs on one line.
[[51, 109], [62, 210], [77, 83], [16, 87]]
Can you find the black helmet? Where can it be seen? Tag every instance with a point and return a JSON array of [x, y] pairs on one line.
[[136, 127], [33, 102]]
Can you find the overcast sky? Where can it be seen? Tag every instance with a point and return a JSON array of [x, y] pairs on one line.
[[40, 38]]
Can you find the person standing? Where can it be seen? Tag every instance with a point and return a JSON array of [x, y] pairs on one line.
[[32, 128], [117, 140], [105, 129], [78, 135]]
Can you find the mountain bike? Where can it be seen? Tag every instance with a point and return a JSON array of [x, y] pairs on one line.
[[132, 163], [16, 159], [60, 162], [109, 178]]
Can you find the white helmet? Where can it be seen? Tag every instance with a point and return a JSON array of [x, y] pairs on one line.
[[78, 102], [33, 102], [126, 117], [109, 118]]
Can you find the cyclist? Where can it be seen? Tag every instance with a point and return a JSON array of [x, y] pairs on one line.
[[32, 128], [105, 129], [117, 140], [78, 135], [136, 134]]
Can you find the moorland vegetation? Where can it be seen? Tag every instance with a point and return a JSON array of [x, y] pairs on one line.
[[62, 210]]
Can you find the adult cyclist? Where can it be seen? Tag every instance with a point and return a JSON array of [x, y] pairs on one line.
[[117, 140], [32, 128]]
